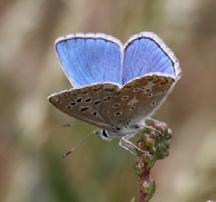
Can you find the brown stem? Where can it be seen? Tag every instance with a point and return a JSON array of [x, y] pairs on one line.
[[144, 179]]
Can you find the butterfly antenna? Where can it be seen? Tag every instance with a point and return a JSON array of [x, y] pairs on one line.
[[74, 123], [84, 140], [67, 124]]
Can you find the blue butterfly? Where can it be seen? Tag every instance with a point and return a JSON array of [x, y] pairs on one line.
[[116, 87]]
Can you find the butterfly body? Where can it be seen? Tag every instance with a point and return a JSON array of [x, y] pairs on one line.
[[116, 87]]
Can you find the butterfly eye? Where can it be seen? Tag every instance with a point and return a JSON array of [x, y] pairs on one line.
[[104, 135]]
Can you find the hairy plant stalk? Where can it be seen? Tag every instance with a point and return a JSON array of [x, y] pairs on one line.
[[154, 144]]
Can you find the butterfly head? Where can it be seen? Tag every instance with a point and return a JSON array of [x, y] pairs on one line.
[[104, 134], [107, 135]]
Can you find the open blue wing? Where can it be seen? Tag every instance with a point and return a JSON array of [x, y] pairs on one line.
[[91, 58], [146, 53]]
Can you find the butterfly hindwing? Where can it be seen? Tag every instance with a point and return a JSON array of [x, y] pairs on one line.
[[139, 98], [87, 103], [107, 105]]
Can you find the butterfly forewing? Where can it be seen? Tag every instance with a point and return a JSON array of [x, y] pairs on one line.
[[88, 103], [90, 58], [145, 53]]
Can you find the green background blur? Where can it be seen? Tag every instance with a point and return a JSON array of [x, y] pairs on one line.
[[32, 138]]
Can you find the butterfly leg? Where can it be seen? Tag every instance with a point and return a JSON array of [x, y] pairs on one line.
[[155, 126], [128, 145], [151, 125]]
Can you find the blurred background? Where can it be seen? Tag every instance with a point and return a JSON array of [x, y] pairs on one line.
[[32, 138]]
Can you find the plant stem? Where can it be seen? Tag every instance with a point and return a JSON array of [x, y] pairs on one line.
[[154, 144]]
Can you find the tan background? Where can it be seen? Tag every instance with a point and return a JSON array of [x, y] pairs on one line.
[[32, 138]]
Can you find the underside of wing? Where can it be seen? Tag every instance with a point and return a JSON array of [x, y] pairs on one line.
[[140, 98], [90, 58], [88, 104]]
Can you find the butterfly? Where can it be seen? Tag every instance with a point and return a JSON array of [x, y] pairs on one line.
[[116, 87]]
